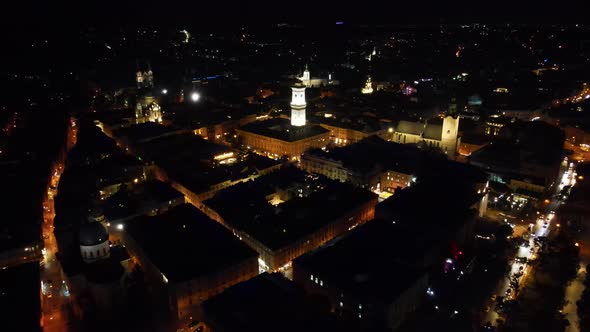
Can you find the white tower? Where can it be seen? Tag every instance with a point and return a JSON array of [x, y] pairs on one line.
[[450, 131], [298, 106], [306, 76]]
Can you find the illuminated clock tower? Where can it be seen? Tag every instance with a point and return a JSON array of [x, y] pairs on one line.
[[298, 106]]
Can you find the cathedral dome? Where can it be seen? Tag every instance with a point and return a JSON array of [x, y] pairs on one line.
[[92, 234]]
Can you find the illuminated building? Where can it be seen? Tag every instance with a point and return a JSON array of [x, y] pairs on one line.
[[444, 137], [314, 82], [368, 88], [298, 106], [277, 138], [147, 107], [280, 137], [495, 123], [144, 79], [187, 258]]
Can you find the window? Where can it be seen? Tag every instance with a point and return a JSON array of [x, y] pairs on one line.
[[311, 277]]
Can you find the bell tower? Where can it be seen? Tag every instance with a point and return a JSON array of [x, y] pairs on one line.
[[450, 132], [298, 105]]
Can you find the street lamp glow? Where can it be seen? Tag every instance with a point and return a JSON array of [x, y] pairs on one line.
[[164, 91], [120, 227], [195, 96]]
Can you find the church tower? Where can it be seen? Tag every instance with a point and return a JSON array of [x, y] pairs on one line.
[[149, 77], [450, 133], [306, 77], [139, 79], [298, 106]]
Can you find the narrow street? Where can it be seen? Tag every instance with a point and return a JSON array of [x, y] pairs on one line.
[[56, 298]]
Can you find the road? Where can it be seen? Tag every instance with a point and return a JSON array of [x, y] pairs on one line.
[[56, 299], [520, 270]]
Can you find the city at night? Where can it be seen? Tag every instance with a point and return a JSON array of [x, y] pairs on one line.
[[297, 166]]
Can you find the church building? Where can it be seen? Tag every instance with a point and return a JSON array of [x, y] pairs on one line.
[[443, 136]]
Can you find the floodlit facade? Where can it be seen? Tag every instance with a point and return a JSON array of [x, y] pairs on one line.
[[298, 105]]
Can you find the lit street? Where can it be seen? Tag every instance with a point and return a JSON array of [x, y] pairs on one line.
[[56, 300], [519, 269]]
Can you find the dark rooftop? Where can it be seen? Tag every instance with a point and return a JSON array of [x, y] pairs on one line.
[[372, 151], [282, 129], [264, 303], [184, 243], [144, 132], [377, 260], [246, 208]]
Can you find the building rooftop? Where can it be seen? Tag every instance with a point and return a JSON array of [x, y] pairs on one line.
[[410, 127], [264, 303], [282, 129], [314, 202], [144, 132], [372, 151], [185, 244], [137, 199], [377, 260], [438, 202], [92, 233]]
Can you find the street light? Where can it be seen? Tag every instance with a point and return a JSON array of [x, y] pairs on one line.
[[164, 91], [195, 96]]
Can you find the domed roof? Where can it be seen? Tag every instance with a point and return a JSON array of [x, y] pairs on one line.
[[92, 233]]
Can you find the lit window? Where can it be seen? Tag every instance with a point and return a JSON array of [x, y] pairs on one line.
[[321, 283], [311, 277], [360, 306], [341, 304]]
